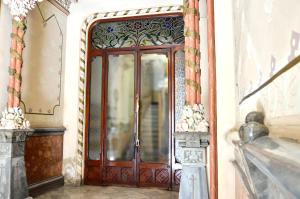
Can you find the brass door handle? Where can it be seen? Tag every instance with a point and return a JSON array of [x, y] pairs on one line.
[[137, 109]]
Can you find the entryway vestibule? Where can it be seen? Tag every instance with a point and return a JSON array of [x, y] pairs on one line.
[[131, 98]]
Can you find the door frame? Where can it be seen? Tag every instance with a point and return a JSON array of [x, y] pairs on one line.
[[171, 49]]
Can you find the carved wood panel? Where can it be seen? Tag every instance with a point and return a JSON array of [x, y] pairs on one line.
[[119, 175], [127, 176], [146, 176], [112, 174], [154, 177], [93, 175], [162, 176], [177, 176]]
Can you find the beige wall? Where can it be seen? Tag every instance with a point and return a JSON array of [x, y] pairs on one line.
[[5, 30], [267, 37], [226, 96], [254, 40], [43, 67], [42, 72]]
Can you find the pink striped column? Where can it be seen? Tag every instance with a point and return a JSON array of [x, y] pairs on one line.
[[19, 62], [16, 61], [192, 51], [12, 66]]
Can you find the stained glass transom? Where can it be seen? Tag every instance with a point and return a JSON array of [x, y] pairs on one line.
[[143, 32]]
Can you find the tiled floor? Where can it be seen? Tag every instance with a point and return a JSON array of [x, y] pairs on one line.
[[109, 192]]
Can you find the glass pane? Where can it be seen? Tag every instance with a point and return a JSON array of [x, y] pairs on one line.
[[120, 107], [179, 84], [154, 108], [95, 109], [142, 32]]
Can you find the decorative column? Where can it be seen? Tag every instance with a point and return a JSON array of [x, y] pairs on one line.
[[12, 117], [15, 80], [192, 129], [190, 149], [13, 182], [14, 128], [192, 51]]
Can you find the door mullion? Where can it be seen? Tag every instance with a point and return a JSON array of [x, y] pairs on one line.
[[104, 114], [137, 94]]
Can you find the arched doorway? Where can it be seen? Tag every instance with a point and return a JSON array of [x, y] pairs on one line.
[[130, 109]]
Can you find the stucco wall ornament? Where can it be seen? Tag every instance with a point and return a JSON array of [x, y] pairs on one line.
[[193, 119], [13, 118], [20, 8], [191, 140]]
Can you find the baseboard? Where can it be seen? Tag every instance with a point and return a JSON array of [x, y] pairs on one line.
[[45, 186]]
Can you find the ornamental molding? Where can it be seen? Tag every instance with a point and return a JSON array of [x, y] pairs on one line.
[[20, 8], [64, 3]]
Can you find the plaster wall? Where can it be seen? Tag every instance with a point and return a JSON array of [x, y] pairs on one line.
[[43, 67], [5, 30], [226, 96], [267, 35], [267, 38], [43, 60]]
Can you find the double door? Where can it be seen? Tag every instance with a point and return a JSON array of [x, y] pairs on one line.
[[129, 118]]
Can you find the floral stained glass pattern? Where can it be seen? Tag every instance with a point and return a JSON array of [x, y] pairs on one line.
[[143, 32]]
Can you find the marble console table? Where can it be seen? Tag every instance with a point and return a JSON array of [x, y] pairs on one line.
[[13, 183], [191, 152], [270, 168]]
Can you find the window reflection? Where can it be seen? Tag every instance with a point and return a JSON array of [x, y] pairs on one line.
[[120, 111], [95, 109], [154, 115]]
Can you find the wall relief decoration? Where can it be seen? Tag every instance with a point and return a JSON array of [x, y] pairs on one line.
[[43, 59], [260, 57]]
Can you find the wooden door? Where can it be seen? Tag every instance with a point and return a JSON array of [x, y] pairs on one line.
[[135, 118], [154, 122], [119, 158]]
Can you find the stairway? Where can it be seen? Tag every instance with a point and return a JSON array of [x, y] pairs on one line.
[[150, 133]]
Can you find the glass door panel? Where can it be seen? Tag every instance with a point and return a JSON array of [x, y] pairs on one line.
[[154, 108], [95, 109], [120, 108]]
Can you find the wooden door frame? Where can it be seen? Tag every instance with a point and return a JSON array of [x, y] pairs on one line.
[[92, 52], [212, 90], [168, 50], [105, 162], [171, 80], [212, 100]]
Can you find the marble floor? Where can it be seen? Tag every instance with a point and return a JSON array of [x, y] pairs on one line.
[[108, 192]]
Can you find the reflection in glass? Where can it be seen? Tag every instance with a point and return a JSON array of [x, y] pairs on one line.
[[120, 111], [154, 110], [95, 109]]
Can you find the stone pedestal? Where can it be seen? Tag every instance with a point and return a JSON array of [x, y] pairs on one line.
[[13, 184], [191, 152]]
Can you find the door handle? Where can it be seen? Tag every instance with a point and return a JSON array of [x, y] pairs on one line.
[[137, 109]]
